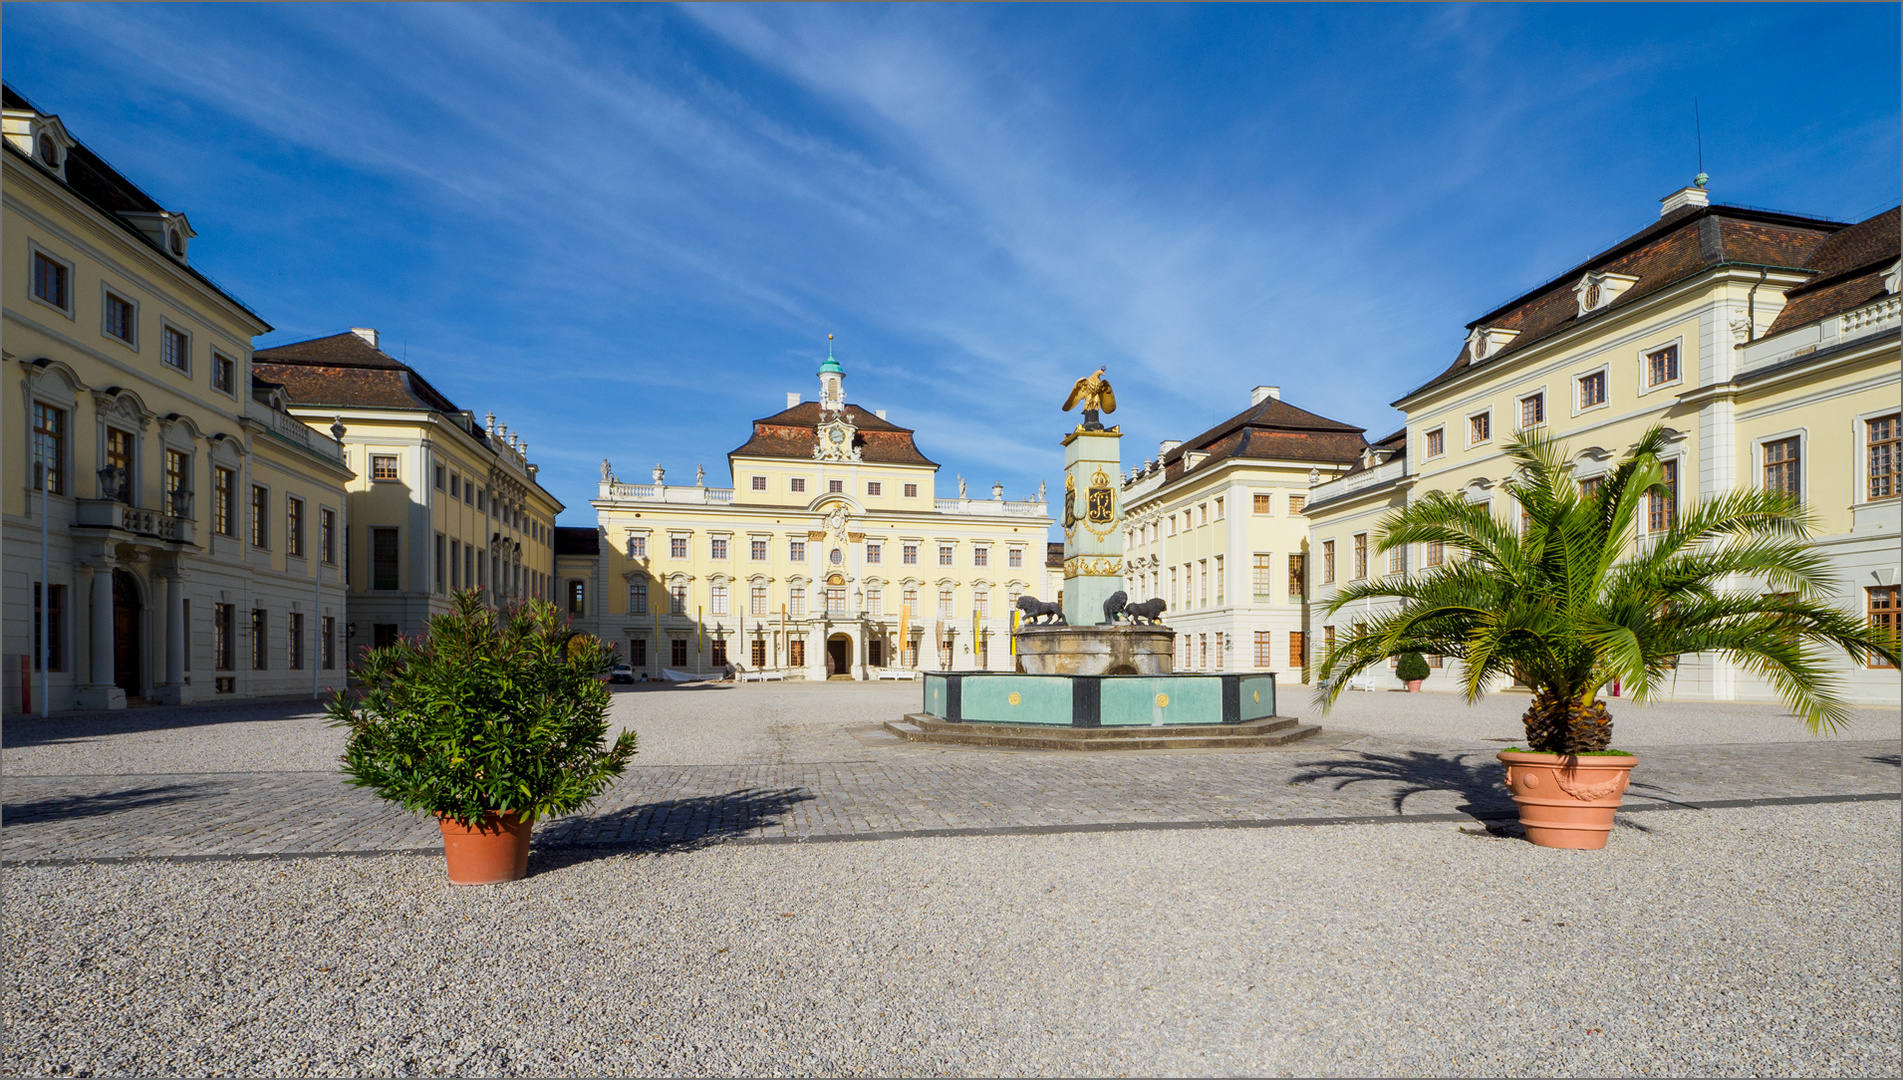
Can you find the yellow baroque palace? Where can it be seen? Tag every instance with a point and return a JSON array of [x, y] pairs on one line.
[[831, 555]]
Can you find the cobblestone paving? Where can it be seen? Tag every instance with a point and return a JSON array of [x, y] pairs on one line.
[[889, 790]]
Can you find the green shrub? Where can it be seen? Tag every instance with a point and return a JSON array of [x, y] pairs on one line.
[[488, 712], [1411, 666]]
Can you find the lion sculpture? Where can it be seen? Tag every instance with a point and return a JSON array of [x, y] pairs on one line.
[[1035, 609]]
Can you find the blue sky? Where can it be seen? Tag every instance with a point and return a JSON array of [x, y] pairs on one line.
[[628, 230]]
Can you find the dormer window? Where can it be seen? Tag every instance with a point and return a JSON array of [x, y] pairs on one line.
[[166, 228], [1485, 341], [41, 138], [176, 242], [48, 151], [1596, 291]]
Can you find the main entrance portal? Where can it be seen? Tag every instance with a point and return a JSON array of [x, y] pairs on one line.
[[839, 657], [125, 632]]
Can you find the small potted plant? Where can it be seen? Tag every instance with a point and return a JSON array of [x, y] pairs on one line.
[[1411, 669], [489, 721]]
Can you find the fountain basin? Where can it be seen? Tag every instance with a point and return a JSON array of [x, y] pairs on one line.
[[1108, 649]]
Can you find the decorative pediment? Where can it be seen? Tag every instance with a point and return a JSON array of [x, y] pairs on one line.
[[118, 403], [1595, 291]]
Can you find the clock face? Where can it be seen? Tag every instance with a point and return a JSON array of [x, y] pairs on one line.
[[839, 435]]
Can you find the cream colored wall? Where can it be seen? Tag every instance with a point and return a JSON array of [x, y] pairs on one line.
[[1827, 410], [854, 476]]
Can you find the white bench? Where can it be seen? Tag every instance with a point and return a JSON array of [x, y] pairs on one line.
[[1364, 681], [906, 674], [763, 675]]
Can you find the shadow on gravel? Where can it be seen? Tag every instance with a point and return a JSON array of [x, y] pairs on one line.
[[22, 731], [662, 827], [1887, 759], [1476, 776], [64, 807]]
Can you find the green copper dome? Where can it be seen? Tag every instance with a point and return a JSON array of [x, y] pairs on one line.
[[831, 366]]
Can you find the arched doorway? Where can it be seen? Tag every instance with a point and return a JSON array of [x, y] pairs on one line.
[[125, 632], [839, 657]]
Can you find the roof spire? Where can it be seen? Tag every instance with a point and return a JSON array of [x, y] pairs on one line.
[[831, 365]]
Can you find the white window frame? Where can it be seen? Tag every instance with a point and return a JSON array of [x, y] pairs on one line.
[[1442, 429], [1580, 377], [1860, 464], [1645, 366], [371, 457], [191, 347], [212, 374], [105, 291], [1802, 435], [71, 310], [1519, 408], [1488, 441]]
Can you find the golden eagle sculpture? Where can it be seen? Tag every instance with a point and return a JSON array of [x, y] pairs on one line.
[[1093, 393]]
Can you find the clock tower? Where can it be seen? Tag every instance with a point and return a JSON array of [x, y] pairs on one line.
[[832, 382]]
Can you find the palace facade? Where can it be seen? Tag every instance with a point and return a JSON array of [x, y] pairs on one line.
[[831, 555], [188, 525], [1766, 344]]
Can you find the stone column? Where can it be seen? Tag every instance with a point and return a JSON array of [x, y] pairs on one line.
[[1093, 524], [100, 693], [174, 691]]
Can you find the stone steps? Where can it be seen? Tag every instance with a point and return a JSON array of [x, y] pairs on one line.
[[1272, 731]]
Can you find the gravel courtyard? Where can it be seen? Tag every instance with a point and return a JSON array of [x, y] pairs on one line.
[[1747, 939]]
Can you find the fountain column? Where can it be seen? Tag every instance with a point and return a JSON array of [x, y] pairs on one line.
[[1093, 523]]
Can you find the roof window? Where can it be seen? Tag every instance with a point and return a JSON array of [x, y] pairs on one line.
[[1596, 291]]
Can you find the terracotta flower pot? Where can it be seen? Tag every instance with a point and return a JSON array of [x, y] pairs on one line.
[[1565, 801], [494, 852], [1414, 686]]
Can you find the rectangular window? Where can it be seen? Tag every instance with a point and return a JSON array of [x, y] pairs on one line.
[[1361, 556], [49, 446], [1202, 578], [1780, 466], [909, 556], [440, 485], [718, 606], [175, 349], [577, 597], [482, 500], [1592, 389], [1662, 506], [911, 491], [469, 492], [119, 457], [875, 602], [1221, 592], [296, 640], [638, 597], [758, 483], [385, 554], [677, 547], [455, 565], [55, 659], [1881, 601], [119, 321], [1328, 562], [1433, 553], [383, 467], [638, 652], [796, 551], [796, 601], [441, 574], [294, 527], [677, 652], [796, 652], [327, 536], [1219, 509], [1436, 442], [1533, 410], [1297, 649], [1259, 577], [328, 643], [1661, 367], [981, 556], [835, 487], [1328, 639], [260, 516], [637, 547], [178, 483], [1480, 428], [945, 601], [1297, 578], [874, 487], [51, 282], [260, 640], [717, 547], [1203, 510], [1589, 487], [909, 597], [224, 373], [1173, 589], [1219, 650], [1202, 641], [717, 652], [797, 484], [1264, 649], [1397, 559], [836, 601], [1882, 436], [1297, 504], [944, 555], [756, 600], [223, 631], [875, 553], [677, 599], [756, 550], [1015, 558]]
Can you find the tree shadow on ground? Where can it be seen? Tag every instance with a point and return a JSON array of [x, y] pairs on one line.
[[671, 825], [1474, 775], [66, 807], [1887, 759]]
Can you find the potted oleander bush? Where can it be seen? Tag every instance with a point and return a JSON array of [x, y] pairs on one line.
[[490, 721], [1574, 598], [1411, 668]]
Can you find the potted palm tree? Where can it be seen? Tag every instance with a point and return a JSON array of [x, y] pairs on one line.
[[1575, 598], [489, 721], [1411, 668]]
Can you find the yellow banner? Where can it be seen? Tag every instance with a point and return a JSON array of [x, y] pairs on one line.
[[904, 629]]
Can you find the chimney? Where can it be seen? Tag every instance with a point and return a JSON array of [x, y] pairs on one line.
[[369, 335], [1693, 196], [1263, 393], [1168, 445], [880, 413], [792, 398]]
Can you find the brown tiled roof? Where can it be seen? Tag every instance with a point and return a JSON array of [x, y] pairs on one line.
[[1849, 267], [1395, 445], [577, 540], [344, 369], [1679, 245], [1271, 429], [791, 434]]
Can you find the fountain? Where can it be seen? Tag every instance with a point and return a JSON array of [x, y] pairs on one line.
[[1099, 673]]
